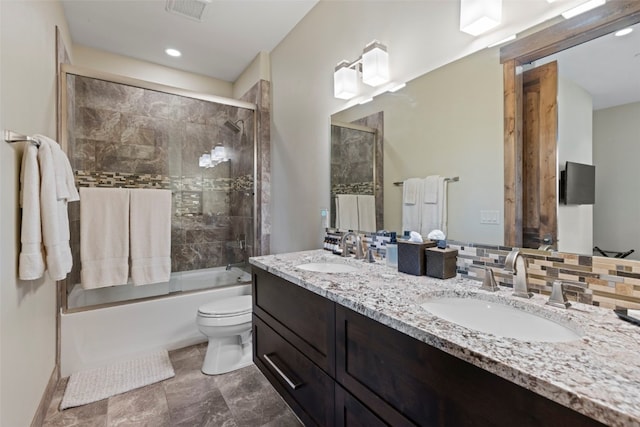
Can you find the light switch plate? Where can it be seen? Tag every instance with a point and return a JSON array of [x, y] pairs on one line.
[[489, 217]]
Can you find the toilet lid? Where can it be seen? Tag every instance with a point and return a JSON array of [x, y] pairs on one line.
[[227, 307]]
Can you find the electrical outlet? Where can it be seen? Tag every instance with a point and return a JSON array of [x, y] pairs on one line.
[[489, 217], [324, 218]]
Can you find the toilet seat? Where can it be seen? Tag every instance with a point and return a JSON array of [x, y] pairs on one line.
[[237, 306]]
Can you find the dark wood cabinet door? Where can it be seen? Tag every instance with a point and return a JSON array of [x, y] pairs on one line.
[[303, 385], [303, 318], [383, 368]]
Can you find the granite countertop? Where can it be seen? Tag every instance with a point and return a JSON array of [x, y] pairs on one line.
[[598, 375]]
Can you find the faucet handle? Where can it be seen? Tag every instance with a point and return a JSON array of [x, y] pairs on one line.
[[370, 257], [558, 298], [489, 282]]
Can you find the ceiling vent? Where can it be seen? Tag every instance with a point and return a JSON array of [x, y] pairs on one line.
[[192, 9]]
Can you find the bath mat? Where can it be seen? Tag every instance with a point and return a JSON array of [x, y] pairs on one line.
[[100, 383]]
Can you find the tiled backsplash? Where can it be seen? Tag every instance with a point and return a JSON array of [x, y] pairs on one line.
[[601, 281]]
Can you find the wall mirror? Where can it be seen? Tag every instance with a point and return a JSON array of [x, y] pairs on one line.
[[450, 122], [446, 122]]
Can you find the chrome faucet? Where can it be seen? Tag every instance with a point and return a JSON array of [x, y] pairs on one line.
[[358, 243], [516, 265]]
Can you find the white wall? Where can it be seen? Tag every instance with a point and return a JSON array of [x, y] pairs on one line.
[[259, 69], [420, 35], [95, 59], [616, 150], [424, 135], [27, 309], [575, 112]]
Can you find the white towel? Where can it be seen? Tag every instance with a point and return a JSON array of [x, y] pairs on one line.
[[104, 237], [348, 211], [434, 214], [366, 213], [412, 212], [31, 261], [150, 222], [410, 189], [431, 188], [53, 211], [444, 214]]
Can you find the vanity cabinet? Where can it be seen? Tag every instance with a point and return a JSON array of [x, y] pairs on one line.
[[334, 366], [294, 345]]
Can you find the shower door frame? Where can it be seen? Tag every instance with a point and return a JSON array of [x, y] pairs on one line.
[[67, 69]]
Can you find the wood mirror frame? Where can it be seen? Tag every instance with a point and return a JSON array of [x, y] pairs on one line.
[[612, 16]]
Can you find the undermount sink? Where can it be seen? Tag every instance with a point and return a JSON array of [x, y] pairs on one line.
[[499, 319], [327, 267]]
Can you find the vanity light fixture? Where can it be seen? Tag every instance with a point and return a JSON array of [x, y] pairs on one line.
[[623, 32], [591, 4], [345, 81], [373, 64], [173, 52], [218, 155], [479, 16]]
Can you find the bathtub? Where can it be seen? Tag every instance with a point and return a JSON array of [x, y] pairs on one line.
[[180, 281], [99, 336]]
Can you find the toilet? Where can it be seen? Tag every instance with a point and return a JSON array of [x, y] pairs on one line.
[[227, 324]]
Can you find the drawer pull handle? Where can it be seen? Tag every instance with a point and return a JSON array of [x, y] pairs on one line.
[[293, 384]]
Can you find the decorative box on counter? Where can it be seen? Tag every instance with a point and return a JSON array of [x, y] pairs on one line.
[[411, 256], [441, 263]]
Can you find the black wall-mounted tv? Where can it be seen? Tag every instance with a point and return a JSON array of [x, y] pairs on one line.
[[578, 184]]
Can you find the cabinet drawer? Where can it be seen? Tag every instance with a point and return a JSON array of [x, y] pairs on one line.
[[303, 318], [307, 389], [350, 412]]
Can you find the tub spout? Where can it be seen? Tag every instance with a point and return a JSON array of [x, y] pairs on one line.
[[237, 264]]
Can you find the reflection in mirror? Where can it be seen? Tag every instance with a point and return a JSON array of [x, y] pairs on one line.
[[599, 124], [447, 122], [356, 174]]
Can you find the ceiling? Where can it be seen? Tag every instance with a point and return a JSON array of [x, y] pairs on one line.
[[231, 34], [607, 67]]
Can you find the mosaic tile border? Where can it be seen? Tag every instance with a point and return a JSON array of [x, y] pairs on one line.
[[600, 281], [364, 188], [121, 179], [83, 178]]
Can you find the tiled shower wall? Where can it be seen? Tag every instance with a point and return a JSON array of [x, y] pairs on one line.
[[601, 281], [125, 136]]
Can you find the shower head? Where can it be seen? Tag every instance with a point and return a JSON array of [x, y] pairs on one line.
[[233, 126]]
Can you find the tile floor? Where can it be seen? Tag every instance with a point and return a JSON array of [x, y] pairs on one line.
[[243, 398]]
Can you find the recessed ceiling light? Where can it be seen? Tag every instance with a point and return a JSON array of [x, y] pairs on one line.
[[623, 32], [172, 52]]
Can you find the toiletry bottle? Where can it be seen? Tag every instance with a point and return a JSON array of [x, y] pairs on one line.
[[392, 252]]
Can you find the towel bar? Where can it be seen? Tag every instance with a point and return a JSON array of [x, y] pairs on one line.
[[453, 179], [13, 137]]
